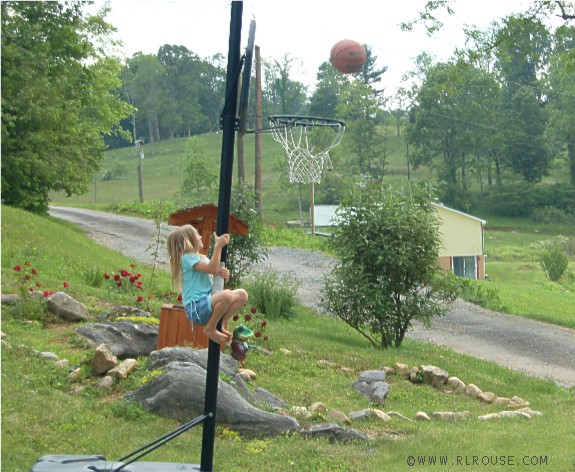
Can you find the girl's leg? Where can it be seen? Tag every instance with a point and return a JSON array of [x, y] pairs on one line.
[[221, 302], [240, 297]]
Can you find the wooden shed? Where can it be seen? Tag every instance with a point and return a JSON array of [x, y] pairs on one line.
[[462, 247]]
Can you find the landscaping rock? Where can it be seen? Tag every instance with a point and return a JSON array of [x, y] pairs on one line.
[[517, 403], [490, 416], [64, 306], [472, 390], [123, 311], [158, 359], [401, 369], [124, 369], [62, 364], [381, 415], [434, 376], [49, 356], [422, 416], [9, 299], [338, 416], [267, 399], [372, 385], [103, 360], [125, 339], [456, 384], [179, 393], [487, 397], [107, 381], [318, 407], [333, 432]]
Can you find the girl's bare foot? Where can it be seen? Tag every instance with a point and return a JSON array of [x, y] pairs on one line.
[[216, 336], [227, 333]]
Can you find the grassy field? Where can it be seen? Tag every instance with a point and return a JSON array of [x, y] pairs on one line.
[[44, 412]]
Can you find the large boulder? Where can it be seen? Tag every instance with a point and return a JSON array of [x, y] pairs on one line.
[[179, 393], [125, 339], [64, 306]]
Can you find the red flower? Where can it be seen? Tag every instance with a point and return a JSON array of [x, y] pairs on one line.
[[124, 273], [140, 299], [27, 277], [38, 284], [119, 283], [66, 284], [248, 318], [180, 297], [47, 293], [258, 334], [138, 275], [236, 318], [132, 265], [17, 268], [265, 338], [264, 324], [31, 289], [117, 277], [34, 271], [27, 263], [254, 310], [106, 276], [150, 297], [132, 279]]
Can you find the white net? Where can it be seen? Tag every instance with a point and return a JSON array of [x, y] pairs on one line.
[[307, 142]]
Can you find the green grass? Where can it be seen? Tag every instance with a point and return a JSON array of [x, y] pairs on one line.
[[44, 412]]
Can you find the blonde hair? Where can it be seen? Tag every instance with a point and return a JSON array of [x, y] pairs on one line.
[[181, 241]]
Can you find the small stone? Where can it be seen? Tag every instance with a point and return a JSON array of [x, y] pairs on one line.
[[456, 384], [361, 415], [530, 412], [107, 381], [300, 412], [389, 370], [401, 369], [382, 415], [399, 415], [247, 374], [486, 397], [434, 376], [490, 416], [62, 364], [444, 415], [412, 376], [515, 414], [422, 416], [285, 351], [76, 374], [103, 360], [463, 415], [472, 390], [124, 369], [318, 407], [338, 416], [501, 401], [49, 355], [517, 403]]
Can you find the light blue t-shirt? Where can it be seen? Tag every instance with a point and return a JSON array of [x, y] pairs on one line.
[[195, 284]]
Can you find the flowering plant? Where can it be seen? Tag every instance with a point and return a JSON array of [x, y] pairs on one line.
[[126, 282], [28, 279], [255, 321]]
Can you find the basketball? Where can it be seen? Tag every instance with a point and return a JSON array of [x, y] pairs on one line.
[[347, 56]]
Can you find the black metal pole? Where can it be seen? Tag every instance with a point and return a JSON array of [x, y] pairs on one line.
[[228, 124]]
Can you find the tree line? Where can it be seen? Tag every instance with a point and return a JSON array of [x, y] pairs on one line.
[[500, 112]]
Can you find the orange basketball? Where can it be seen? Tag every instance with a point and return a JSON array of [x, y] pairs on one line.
[[347, 56]]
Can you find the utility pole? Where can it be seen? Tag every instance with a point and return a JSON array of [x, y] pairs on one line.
[[258, 135], [140, 155]]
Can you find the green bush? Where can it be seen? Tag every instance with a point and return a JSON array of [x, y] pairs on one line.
[[480, 294], [554, 263], [272, 293]]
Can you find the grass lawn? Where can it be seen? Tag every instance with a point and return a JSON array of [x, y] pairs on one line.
[[45, 412]]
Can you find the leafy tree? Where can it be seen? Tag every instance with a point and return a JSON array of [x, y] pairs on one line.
[[325, 98], [561, 92], [58, 100], [282, 95], [199, 181], [525, 150], [369, 74], [386, 274]]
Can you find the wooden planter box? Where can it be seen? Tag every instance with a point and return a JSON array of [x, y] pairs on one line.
[[176, 330]]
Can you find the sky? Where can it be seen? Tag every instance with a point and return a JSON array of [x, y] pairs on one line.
[[305, 30]]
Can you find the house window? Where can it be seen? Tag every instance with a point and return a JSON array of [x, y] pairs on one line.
[[465, 267]]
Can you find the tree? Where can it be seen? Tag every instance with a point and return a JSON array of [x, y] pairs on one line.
[[387, 273], [199, 182], [561, 92], [59, 98], [325, 98], [282, 95]]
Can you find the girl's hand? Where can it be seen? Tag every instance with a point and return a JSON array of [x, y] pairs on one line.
[[222, 240], [225, 274]]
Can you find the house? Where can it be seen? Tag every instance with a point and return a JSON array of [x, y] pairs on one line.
[[462, 247]]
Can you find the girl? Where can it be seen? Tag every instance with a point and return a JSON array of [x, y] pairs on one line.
[[192, 272]]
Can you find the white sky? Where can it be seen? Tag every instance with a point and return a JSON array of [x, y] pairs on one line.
[[304, 29]]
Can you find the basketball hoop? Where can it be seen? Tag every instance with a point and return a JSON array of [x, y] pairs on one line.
[[307, 141]]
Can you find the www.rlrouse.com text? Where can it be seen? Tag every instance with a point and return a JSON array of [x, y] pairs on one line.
[[473, 460]]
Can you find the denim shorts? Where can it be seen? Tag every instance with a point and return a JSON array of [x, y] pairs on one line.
[[198, 312]]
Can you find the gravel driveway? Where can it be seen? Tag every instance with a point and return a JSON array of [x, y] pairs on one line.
[[534, 348]]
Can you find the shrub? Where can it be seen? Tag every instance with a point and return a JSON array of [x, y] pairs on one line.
[[272, 294], [554, 263], [387, 274]]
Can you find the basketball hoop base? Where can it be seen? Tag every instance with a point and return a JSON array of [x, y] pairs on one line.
[[68, 463]]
